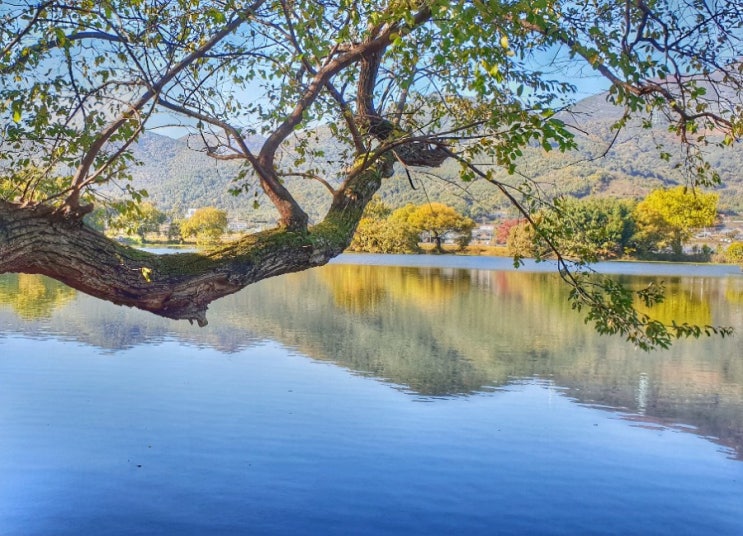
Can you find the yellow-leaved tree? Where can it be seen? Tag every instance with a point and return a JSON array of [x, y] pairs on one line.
[[666, 218], [438, 220]]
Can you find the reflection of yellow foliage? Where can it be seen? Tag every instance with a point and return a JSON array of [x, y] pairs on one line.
[[354, 288], [687, 303], [364, 288], [33, 296], [429, 289], [734, 292], [536, 288]]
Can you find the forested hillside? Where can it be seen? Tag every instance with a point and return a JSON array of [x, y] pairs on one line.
[[179, 176]]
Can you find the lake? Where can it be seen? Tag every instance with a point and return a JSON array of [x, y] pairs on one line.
[[363, 399]]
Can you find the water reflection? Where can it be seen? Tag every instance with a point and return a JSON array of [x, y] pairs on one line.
[[31, 296], [441, 332]]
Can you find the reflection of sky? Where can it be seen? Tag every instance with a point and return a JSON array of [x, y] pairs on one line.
[[170, 438], [506, 263]]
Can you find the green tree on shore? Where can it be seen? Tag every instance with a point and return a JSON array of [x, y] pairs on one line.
[[206, 224], [592, 228], [139, 220]]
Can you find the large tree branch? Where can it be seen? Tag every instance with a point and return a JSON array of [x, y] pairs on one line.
[[675, 100], [353, 55], [180, 286], [292, 215]]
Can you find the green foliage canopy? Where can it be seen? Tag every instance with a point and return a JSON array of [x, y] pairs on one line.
[[207, 224], [587, 230], [591, 228]]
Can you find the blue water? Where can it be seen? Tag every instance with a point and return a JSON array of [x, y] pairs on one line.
[[175, 439], [115, 422]]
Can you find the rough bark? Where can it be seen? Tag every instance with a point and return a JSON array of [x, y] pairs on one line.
[[180, 286]]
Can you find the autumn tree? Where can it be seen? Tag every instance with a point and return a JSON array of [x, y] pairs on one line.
[[522, 241], [436, 220], [406, 85], [207, 224], [734, 253], [503, 230], [667, 217]]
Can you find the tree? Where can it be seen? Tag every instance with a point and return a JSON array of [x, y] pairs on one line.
[[140, 219], [378, 236], [734, 253], [584, 229], [407, 84], [437, 220], [666, 217], [503, 231], [522, 240], [377, 232], [591, 228], [207, 224], [174, 231]]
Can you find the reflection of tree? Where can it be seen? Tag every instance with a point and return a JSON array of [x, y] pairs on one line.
[[734, 291], [356, 288], [497, 327], [451, 332], [33, 296], [360, 288], [689, 299]]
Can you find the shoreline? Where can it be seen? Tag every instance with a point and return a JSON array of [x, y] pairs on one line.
[[620, 267]]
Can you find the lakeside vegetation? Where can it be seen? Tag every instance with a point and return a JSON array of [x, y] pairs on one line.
[[658, 227]]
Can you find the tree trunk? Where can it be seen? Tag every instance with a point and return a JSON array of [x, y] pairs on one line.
[[677, 243], [437, 241], [37, 240]]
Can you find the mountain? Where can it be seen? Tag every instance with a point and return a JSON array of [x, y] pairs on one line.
[[178, 174]]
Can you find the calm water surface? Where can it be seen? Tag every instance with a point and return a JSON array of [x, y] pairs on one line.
[[369, 399]]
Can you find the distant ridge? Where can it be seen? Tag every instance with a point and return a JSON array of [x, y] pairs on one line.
[[179, 176]]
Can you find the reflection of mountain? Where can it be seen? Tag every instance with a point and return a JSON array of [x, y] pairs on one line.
[[441, 332]]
